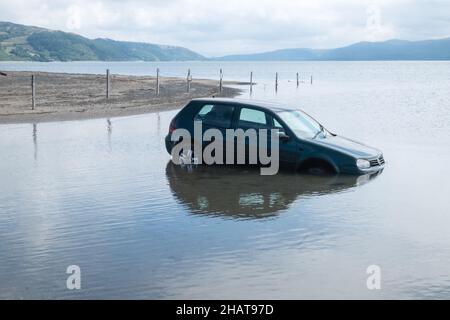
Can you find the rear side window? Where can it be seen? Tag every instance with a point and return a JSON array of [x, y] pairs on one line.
[[216, 115], [252, 117]]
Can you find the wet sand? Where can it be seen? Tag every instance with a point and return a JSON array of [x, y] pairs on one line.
[[62, 96]]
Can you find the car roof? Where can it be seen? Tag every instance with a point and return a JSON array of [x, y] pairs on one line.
[[274, 106]]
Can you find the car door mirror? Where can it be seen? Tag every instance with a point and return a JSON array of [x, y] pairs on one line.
[[283, 136]]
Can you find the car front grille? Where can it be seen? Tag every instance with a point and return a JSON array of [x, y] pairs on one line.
[[377, 162]]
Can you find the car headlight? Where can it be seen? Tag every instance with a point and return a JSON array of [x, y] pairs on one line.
[[363, 164]]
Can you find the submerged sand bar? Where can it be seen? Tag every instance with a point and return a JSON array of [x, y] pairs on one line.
[[62, 96]]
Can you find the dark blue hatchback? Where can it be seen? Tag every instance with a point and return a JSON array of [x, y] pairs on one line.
[[304, 143]]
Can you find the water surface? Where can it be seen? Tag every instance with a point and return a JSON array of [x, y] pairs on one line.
[[102, 194]]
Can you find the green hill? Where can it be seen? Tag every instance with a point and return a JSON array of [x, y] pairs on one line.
[[438, 49], [19, 42]]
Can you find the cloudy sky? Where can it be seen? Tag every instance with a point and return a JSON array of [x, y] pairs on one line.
[[219, 27]]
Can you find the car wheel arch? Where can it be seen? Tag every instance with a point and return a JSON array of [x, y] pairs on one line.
[[318, 161]]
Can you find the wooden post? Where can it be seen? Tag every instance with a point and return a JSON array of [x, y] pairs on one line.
[[157, 81], [298, 80], [220, 81], [188, 80], [276, 81], [33, 92], [251, 81], [107, 84], [311, 79]]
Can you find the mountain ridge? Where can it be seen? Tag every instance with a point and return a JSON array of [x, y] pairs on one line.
[[394, 49], [29, 43]]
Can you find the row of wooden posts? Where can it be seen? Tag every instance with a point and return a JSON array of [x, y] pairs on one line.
[[189, 80], [157, 89]]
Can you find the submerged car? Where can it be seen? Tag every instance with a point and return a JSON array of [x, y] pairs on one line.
[[304, 144]]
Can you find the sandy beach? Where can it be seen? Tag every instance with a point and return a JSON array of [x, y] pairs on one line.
[[62, 96]]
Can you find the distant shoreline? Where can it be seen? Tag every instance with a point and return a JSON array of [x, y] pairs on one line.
[[67, 96], [216, 60]]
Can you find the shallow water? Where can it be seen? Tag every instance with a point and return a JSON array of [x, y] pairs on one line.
[[103, 195]]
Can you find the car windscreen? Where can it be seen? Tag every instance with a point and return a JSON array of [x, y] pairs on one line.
[[303, 125]]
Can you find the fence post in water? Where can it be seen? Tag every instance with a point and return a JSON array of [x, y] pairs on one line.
[[107, 84], [251, 81], [311, 79], [276, 81], [33, 92], [298, 80], [220, 81], [188, 80], [157, 81]]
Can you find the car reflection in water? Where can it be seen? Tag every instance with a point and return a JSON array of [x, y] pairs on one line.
[[242, 193]]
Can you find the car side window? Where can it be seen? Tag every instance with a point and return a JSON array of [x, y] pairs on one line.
[[203, 111], [252, 117], [215, 115]]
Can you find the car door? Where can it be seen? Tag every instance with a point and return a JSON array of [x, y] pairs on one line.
[[216, 116], [256, 119], [289, 147]]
